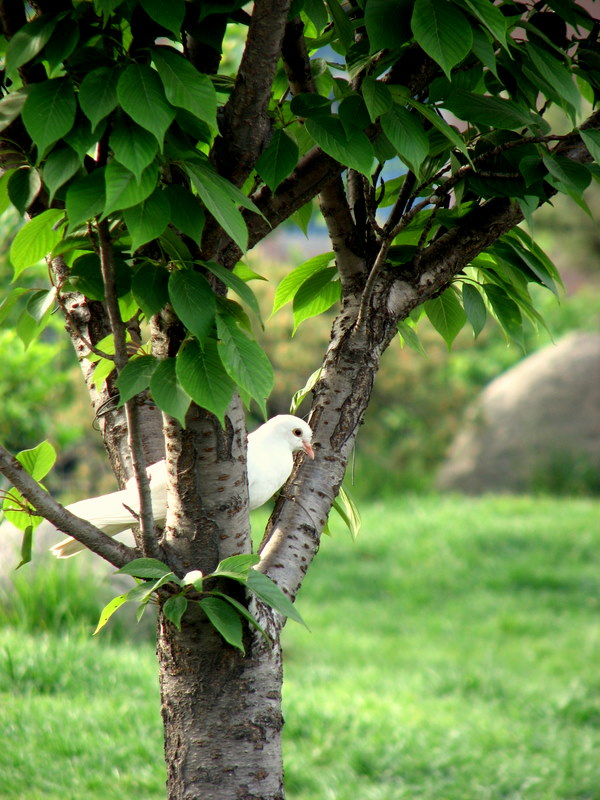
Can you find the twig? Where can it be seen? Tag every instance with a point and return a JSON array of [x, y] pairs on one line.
[[138, 458]]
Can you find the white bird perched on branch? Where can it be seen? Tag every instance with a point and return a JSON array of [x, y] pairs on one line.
[[270, 461]]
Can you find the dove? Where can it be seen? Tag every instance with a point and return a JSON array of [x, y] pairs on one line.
[[271, 449]]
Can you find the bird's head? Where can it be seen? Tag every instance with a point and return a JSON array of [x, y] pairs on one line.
[[294, 431]]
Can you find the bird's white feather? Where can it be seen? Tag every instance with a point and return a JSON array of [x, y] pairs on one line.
[[270, 461]]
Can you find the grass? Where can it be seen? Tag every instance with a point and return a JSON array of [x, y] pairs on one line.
[[453, 656]]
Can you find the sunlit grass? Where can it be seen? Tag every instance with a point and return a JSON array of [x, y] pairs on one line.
[[453, 656]]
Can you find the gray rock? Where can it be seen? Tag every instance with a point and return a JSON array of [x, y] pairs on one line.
[[537, 426]]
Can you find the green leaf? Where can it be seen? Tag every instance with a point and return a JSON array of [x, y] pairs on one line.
[[245, 361], [556, 77], [240, 564], [292, 282], [388, 23], [225, 619], [221, 198], [307, 104], [591, 139], [194, 301], [232, 281], [506, 312], [148, 219], [35, 240], [170, 15], [493, 112], [440, 123], [135, 376], [109, 609], [28, 41], [354, 150], [185, 87], [187, 215], [133, 146], [271, 594], [278, 160], [27, 329], [41, 303], [202, 375], [11, 106], [150, 287], [408, 336], [85, 198], [243, 612], [141, 95], [303, 216], [474, 308], [4, 198], [124, 190], [442, 31], [377, 97], [49, 112], [446, 315], [299, 396], [491, 17], [86, 276], [167, 392], [174, 608], [572, 177], [348, 511], [19, 512], [62, 163], [39, 460], [23, 187], [317, 294], [9, 302], [26, 546], [174, 247], [145, 568], [83, 139], [98, 94], [63, 42], [342, 25], [405, 132], [537, 265]]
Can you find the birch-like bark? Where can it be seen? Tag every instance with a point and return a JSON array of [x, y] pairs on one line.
[[221, 712]]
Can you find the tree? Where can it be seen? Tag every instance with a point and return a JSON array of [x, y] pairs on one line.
[[148, 165]]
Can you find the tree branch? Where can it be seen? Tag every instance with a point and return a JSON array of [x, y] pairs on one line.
[[246, 122], [94, 539], [332, 198], [149, 544], [343, 391]]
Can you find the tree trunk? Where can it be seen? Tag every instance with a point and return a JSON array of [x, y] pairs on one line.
[[221, 713]]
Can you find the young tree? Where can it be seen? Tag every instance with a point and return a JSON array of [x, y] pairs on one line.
[[147, 164]]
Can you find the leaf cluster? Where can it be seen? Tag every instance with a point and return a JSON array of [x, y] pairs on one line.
[[222, 610]]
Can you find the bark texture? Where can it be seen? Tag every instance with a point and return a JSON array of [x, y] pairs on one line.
[[221, 713]]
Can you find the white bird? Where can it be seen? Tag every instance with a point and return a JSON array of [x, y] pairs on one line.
[[271, 451]]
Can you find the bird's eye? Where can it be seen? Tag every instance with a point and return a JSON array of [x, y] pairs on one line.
[[297, 432]]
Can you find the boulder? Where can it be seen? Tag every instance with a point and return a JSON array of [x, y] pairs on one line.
[[536, 427]]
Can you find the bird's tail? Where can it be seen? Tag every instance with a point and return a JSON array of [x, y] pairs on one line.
[[110, 513]]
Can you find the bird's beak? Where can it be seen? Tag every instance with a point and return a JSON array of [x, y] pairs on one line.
[[307, 447]]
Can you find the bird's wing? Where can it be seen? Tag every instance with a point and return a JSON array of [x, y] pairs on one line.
[[269, 467]]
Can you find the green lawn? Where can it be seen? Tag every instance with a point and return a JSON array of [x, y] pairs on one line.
[[454, 655]]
